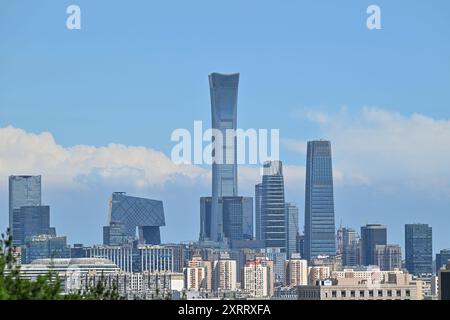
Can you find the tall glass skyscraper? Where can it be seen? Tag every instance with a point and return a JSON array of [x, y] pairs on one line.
[[224, 94], [291, 229], [419, 248], [23, 191], [273, 212], [371, 236], [237, 217], [319, 201], [258, 200], [31, 221]]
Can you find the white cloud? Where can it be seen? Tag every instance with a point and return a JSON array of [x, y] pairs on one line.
[[392, 151], [27, 153]]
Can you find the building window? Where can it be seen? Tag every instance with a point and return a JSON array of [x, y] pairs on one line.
[[353, 294], [380, 293], [343, 294], [399, 293], [361, 293], [408, 293], [333, 294], [370, 293], [389, 293]]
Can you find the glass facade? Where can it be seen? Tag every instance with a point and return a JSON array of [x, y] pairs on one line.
[[205, 218], [273, 212], [46, 247], [126, 214], [442, 258], [350, 247], [237, 217], [292, 229], [419, 248], [31, 221], [23, 191], [224, 93], [319, 201], [258, 199], [371, 235]]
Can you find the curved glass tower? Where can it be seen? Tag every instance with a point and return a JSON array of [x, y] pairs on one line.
[[319, 201], [224, 93]]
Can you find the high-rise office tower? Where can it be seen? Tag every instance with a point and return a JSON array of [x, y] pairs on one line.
[[291, 229], [388, 257], [442, 258], [350, 247], [371, 235], [126, 214], [46, 246], [319, 201], [419, 248], [23, 191], [273, 212], [301, 244], [237, 217], [31, 221], [224, 93], [444, 283], [205, 218], [258, 203]]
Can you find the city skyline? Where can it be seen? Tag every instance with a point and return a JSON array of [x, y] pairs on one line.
[[93, 123], [235, 192]]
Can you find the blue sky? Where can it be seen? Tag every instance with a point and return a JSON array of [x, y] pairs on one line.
[[137, 70]]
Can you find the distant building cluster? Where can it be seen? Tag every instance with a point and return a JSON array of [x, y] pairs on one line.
[[248, 247]]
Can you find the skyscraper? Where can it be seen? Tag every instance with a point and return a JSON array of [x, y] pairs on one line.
[[442, 258], [205, 218], [291, 229], [371, 235], [319, 201], [237, 217], [126, 214], [23, 191], [224, 93], [273, 212], [350, 247], [419, 248], [31, 221], [258, 200], [388, 257]]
